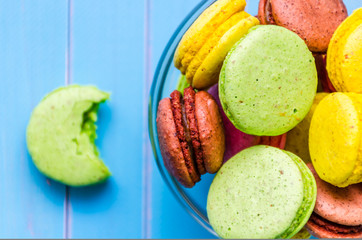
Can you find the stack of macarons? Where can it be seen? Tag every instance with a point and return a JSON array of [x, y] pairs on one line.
[[256, 93], [204, 46]]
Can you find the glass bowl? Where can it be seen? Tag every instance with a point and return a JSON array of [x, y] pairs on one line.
[[164, 82]]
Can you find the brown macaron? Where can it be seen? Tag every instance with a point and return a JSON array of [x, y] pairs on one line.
[[314, 21], [191, 135], [337, 212]]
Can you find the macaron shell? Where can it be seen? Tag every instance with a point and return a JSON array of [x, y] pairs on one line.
[[268, 81], [202, 28], [257, 194], [297, 140], [314, 21], [335, 139], [208, 72], [170, 145], [211, 131], [302, 234], [310, 195], [236, 140], [211, 42], [319, 232], [338, 205], [61, 133], [344, 56]]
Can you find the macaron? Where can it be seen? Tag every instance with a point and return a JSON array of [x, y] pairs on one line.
[[337, 212], [268, 81], [191, 135], [324, 83], [262, 192], [344, 56], [335, 139], [302, 234], [236, 140], [314, 21], [61, 133], [297, 141], [205, 44]]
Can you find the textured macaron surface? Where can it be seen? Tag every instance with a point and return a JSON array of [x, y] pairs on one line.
[[335, 139], [260, 193], [344, 56], [338, 205], [268, 81], [61, 135], [313, 21]]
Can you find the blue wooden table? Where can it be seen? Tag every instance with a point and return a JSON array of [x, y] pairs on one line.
[[115, 45]]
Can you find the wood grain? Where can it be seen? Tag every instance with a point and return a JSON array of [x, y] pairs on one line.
[[32, 63]]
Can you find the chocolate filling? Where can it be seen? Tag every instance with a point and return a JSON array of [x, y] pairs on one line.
[[268, 13], [320, 61], [183, 134], [189, 102], [334, 227]]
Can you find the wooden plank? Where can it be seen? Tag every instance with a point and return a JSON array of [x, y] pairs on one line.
[[32, 63], [167, 218], [107, 51]]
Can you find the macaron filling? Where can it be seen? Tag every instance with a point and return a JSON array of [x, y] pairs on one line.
[[89, 127], [181, 128], [267, 14], [191, 122], [329, 226]]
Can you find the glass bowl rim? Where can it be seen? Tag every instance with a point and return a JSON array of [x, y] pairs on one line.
[[154, 98]]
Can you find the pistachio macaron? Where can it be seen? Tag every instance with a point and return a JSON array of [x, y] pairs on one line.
[[344, 56], [61, 133], [262, 192], [205, 44], [191, 135], [236, 140], [335, 139], [268, 81]]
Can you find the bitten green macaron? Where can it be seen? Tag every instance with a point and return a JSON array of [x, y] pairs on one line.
[[61, 135], [262, 192], [268, 81]]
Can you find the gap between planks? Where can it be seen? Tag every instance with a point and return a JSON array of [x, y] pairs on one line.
[[147, 164], [68, 81]]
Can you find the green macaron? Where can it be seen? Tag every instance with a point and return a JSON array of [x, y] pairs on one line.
[[262, 192], [61, 135], [268, 81]]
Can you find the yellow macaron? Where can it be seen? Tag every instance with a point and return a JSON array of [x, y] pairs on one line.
[[297, 138], [344, 55], [204, 46], [335, 139]]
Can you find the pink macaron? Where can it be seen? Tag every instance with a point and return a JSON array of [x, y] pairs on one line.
[[337, 212]]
